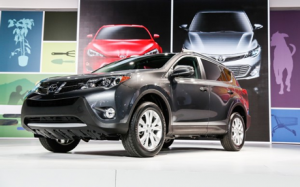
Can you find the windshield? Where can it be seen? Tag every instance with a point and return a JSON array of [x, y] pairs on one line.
[[220, 22], [141, 62], [123, 32]]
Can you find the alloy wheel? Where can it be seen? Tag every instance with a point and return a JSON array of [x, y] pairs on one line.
[[150, 129], [237, 132]]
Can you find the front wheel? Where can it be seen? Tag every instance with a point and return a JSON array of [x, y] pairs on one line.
[[59, 145], [146, 134], [235, 137]]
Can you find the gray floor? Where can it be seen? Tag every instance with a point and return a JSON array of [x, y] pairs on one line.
[[24, 162]]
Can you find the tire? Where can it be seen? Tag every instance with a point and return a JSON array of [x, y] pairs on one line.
[[235, 137], [145, 138], [168, 143], [59, 146]]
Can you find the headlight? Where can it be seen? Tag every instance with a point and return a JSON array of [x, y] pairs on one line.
[[36, 87], [154, 51], [105, 82], [254, 52], [91, 52]]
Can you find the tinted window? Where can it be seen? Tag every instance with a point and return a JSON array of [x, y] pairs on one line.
[[121, 32], [190, 61], [220, 22], [212, 71], [227, 74], [142, 62]]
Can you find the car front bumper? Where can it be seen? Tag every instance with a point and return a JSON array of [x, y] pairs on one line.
[[73, 117]]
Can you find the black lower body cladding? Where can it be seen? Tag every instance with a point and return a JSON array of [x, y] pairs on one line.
[[67, 118]]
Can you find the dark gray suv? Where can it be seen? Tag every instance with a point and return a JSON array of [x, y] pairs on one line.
[[145, 101]]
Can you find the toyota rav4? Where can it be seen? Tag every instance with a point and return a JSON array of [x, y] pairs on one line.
[[146, 101]]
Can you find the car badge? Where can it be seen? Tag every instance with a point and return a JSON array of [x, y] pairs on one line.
[[52, 88], [220, 58], [122, 56]]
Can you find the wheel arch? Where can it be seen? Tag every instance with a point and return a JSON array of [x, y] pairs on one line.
[[158, 98], [239, 108]]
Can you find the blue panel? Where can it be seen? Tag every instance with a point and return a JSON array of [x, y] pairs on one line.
[[285, 125], [14, 26]]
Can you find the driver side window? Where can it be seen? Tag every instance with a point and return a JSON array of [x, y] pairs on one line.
[[193, 62]]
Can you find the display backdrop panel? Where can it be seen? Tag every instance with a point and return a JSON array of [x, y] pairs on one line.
[[59, 57], [21, 32], [285, 125], [235, 33], [127, 23], [20, 41], [60, 26], [285, 45]]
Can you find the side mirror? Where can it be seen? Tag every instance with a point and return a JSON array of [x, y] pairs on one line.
[[156, 35], [184, 27], [183, 70], [89, 36], [257, 26]]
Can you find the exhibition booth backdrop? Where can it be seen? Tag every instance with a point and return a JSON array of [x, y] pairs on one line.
[[284, 71], [52, 46], [34, 45]]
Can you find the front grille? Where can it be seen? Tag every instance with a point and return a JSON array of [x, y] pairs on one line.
[[239, 71], [51, 103], [227, 58], [69, 85], [53, 119], [233, 58]]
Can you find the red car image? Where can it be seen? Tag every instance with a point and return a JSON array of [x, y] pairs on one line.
[[115, 42]]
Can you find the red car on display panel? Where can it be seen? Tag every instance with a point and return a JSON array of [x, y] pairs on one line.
[[115, 42]]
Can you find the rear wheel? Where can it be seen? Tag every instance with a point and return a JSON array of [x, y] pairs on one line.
[[235, 137], [59, 145], [146, 133]]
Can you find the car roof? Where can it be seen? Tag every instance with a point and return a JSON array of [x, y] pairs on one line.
[[125, 25], [221, 11]]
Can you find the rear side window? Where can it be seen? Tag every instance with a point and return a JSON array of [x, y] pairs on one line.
[[212, 71], [227, 74]]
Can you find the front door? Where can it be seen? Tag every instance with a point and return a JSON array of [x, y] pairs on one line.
[[190, 100]]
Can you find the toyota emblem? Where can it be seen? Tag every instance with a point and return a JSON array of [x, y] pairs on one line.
[[52, 88], [221, 58]]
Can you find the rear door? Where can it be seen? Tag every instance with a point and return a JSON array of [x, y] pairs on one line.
[[221, 93]]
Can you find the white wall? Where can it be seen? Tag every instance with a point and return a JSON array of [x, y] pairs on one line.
[[284, 4], [73, 4], [39, 4]]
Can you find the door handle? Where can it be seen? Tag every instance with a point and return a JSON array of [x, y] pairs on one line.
[[203, 89], [230, 92]]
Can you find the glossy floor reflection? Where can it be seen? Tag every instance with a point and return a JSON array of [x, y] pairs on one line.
[[24, 162]]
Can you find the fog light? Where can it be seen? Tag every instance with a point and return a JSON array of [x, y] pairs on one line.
[[109, 113], [255, 71]]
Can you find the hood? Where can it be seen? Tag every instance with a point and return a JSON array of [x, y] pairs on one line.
[[125, 48], [220, 42], [68, 78]]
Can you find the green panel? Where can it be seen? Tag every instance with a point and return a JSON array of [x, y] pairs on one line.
[[14, 86], [60, 26], [59, 57]]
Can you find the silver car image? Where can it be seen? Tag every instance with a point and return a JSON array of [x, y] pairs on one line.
[[228, 37]]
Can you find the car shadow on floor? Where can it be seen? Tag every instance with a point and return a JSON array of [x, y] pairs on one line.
[[163, 152]]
